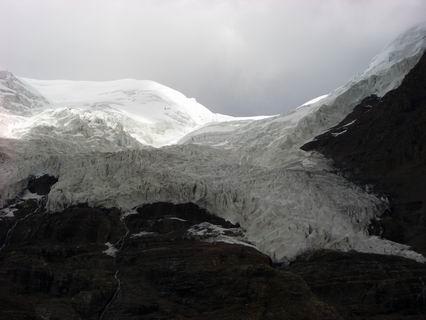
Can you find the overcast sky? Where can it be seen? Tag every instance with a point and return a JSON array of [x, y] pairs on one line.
[[239, 57]]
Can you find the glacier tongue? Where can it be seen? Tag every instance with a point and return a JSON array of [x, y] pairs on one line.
[[284, 211], [95, 137]]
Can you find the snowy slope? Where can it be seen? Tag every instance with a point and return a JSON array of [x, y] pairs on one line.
[[151, 113], [107, 115], [18, 100], [17, 97], [251, 172], [276, 141]]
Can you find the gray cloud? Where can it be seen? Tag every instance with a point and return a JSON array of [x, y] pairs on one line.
[[241, 57]]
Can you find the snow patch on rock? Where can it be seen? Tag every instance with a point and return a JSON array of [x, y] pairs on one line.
[[111, 250], [142, 234], [208, 232]]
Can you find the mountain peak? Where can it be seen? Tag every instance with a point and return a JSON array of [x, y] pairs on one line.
[[143, 98]]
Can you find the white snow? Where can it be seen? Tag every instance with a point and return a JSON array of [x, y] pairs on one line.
[[336, 134], [315, 100], [176, 218], [149, 112], [27, 195], [94, 137], [128, 213], [350, 123], [142, 234], [7, 212], [276, 141], [17, 98], [208, 232], [111, 250]]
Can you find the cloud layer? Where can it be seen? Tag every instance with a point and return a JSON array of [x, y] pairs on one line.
[[240, 57]]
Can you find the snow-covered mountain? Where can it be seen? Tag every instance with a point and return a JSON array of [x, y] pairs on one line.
[[287, 201], [150, 112], [276, 141], [105, 113], [17, 100], [17, 97]]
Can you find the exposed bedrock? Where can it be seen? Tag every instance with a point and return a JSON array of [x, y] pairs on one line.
[[52, 266], [366, 286], [60, 266], [94, 263]]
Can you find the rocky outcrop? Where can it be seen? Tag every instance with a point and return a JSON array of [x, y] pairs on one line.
[[53, 267], [366, 286], [382, 144], [41, 185], [94, 263]]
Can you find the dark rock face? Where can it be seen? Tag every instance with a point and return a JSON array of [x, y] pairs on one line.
[[41, 185], [366, 286], [53, 267], [383, 143]]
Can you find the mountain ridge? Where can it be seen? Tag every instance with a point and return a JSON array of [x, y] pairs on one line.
[[234, 220], [70, 143]]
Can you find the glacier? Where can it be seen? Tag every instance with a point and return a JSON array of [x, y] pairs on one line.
[[128, 142]]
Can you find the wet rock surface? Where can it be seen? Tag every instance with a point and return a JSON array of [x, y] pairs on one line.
[[58, 266], [382, 143]]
